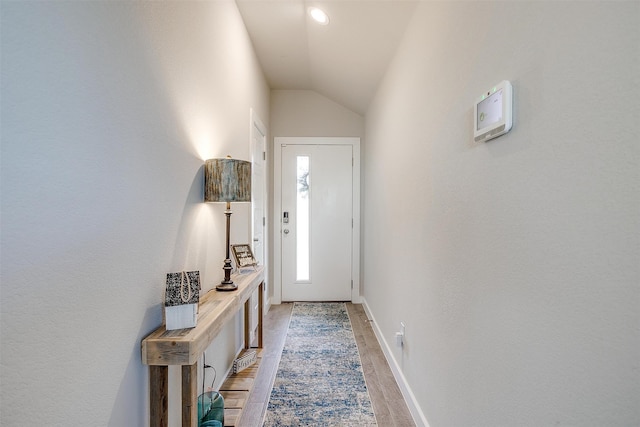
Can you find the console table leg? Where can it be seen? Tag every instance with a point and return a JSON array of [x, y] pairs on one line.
[[190, 395], [159, 396], [260, 312], [247, 331]]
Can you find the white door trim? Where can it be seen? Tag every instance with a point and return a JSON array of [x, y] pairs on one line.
[[278, 142]]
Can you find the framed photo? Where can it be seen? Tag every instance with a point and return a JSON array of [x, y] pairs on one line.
[[243, 256]]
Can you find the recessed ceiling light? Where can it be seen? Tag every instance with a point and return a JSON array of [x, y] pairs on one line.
[[319, 16]]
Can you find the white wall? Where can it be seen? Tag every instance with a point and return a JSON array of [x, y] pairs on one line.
[[108, 112], [513, 263], [307, 113]]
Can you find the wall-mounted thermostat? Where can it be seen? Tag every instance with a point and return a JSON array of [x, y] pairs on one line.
[[493, 112]]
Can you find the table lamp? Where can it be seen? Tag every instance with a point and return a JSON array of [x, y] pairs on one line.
[[227, 180]]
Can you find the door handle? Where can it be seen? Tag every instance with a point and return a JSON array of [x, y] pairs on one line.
[[285, 231]]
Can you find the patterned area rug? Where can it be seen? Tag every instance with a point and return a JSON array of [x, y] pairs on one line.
[[320, 380]]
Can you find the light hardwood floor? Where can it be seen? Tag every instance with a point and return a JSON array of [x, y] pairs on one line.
[[388, 403]]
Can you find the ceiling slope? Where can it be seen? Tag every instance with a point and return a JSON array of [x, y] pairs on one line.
[[343, 61]]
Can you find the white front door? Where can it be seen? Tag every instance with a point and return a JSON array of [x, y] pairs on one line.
[[316, 218]]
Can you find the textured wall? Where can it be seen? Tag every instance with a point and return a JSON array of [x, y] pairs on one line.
[[108, 112], [513, 263]]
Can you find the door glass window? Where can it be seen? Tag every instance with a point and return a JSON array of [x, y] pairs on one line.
[[302, 220]]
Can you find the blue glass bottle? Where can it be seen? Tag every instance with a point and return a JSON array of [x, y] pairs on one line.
[[210, 409]]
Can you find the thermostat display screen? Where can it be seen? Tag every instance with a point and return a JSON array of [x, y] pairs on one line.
[[493, 112], [490, 110]]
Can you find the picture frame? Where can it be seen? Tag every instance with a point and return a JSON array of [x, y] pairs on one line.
[[243, 256]]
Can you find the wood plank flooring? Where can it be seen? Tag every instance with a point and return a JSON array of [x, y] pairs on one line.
[[388, 403]]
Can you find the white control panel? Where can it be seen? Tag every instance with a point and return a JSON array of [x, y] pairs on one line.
[[493, 112]]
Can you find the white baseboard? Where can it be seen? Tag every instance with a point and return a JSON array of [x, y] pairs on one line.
[[414, 408]]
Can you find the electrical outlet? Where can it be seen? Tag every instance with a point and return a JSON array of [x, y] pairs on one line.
[[400, 336], [399, 340]]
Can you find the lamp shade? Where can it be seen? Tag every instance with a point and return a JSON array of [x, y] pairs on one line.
[[227, 180]]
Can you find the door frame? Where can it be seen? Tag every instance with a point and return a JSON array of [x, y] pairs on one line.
[[278, 143]]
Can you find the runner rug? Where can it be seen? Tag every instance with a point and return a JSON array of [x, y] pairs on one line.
[[320, 381]]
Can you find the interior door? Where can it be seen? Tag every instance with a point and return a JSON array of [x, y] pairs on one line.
[[258, 208], [258, 190], [316, 218]]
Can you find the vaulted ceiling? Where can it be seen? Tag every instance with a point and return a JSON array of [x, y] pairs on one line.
[[343, 60]]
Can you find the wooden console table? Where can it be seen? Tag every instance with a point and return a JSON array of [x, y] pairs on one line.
[[185, 346]]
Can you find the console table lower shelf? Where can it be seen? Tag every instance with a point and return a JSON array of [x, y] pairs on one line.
[[184, 347], [235, 391]]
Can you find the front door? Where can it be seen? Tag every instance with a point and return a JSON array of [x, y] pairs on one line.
[[316, 218]]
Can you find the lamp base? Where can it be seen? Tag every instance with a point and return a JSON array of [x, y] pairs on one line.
[[226, 287], [227, 284]]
